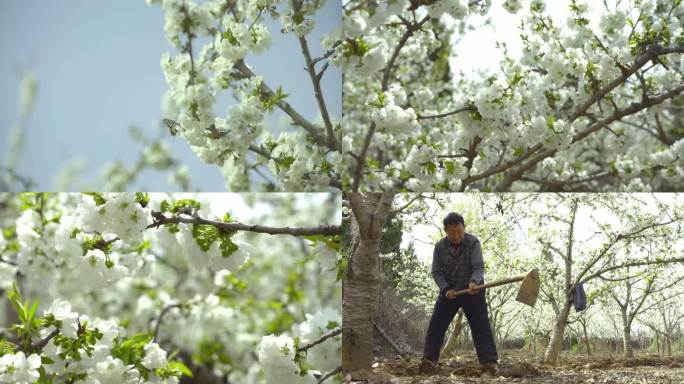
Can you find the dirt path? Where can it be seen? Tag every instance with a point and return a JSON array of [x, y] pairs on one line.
[[641, 370]]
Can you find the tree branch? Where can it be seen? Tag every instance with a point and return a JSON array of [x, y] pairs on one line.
[[321, 339], [316, 82], [445, 114], [633, 264], [330, 374], [286, 107], [161, 317], [327, 230], [610, 245], [40, 344], [617, 115]]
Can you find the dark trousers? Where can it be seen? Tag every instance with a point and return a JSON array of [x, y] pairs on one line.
[[475, 309]]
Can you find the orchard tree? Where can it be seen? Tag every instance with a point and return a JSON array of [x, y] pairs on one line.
[[214, 40], [586, 105], [630, 290], [179, 281], [667, 317], [622, 228]]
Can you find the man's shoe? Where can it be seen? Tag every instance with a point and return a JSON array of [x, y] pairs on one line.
[[490, 368], [427, 366]]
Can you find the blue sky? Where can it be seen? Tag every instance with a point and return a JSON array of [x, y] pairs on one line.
[[98, 72]]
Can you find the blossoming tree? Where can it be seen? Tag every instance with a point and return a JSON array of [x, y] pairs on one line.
[[593, 104], [249, 154], [136, 287]]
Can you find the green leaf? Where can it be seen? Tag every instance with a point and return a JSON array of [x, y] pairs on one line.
[[6, 347], [165, 206], [332, 325], [274, 99], [550, 121], [205, 235], [10, 232], [341, 270], [515, 80], [185, 203], [519, 151], [228, 247], [228, 35], [131, 350], [379, 102], [184, 370], [98, 197], [357, 47], [15, 298], [32, 310], [142, 198]]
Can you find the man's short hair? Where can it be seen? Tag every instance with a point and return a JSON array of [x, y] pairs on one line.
[[453, 218]]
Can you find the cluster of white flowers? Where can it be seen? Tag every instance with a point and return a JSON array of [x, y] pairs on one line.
[[65, 264], [61, 310], [325, 356], [120, 215], [458, 9], [195, 82], [212, 257], [277, 353], [155, 357], [308, 168], [512, 6], [19, 369], [99, 366], [534, 101]]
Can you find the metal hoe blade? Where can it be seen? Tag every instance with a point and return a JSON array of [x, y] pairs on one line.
[[529, 288]]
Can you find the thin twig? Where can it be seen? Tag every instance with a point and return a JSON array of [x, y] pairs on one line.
[[40, 344], [330, 374], [321, 339], [160, 318]]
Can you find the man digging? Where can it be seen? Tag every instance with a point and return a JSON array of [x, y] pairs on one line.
[[457, 264]]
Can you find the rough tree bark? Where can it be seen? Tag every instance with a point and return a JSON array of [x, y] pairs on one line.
[[360, 286], [555, 345]]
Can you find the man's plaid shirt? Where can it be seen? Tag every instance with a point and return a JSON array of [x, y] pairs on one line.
[[454, 267]]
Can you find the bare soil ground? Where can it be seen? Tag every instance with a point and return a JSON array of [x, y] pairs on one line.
[[514, 369]]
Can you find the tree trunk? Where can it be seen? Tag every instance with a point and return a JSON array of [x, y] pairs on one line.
[[360, 299], [453, 337], [627, 341], [586, 337], [668, 345], [360, 286], [556, 344], [626, 333]]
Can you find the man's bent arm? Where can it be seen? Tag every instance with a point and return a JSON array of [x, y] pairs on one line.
[[437, 272], [477, 262]]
